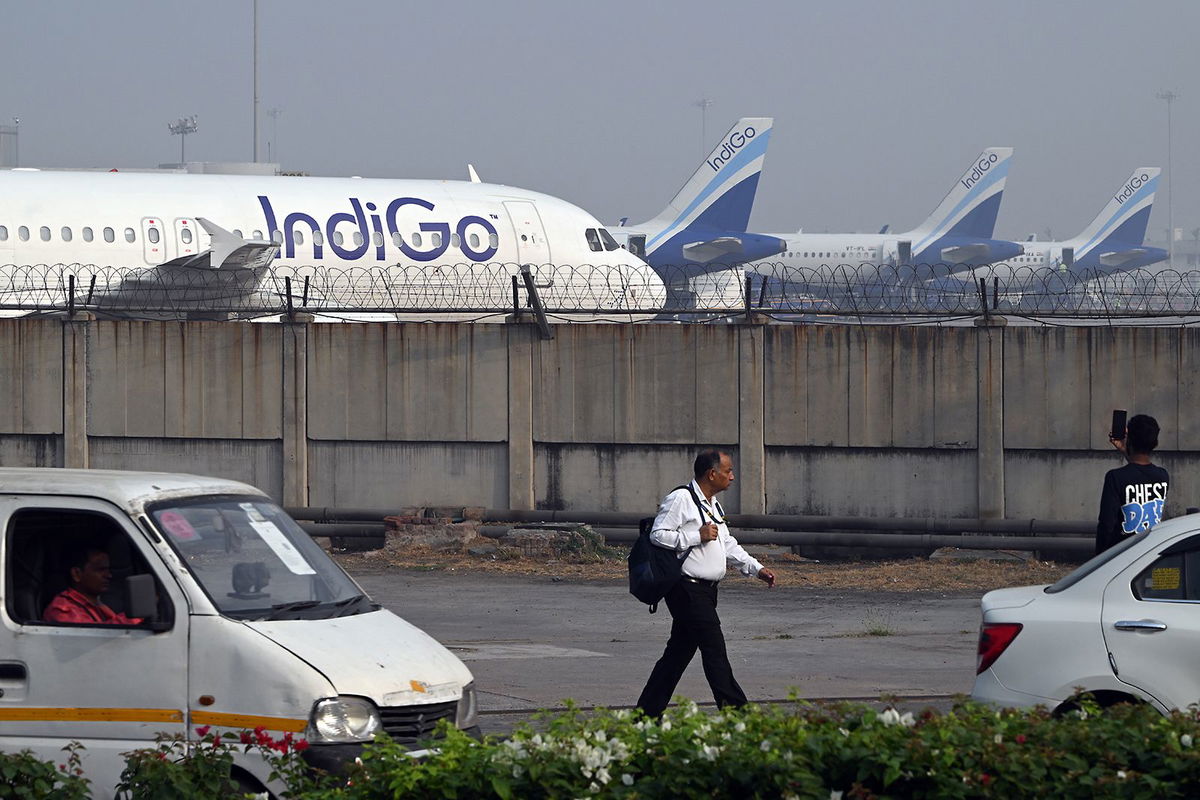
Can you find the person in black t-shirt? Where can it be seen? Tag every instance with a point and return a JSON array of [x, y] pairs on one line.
[[1134, 495]]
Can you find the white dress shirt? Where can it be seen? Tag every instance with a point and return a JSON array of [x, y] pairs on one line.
[[677, 527]]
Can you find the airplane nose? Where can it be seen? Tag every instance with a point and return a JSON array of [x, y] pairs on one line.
[[645, 290]]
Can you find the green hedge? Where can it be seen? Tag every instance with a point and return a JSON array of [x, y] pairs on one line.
[[802, 751]]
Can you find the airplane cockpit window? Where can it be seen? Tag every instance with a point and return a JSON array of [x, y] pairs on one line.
[[609, 242], [593, 240], [3, 233], [109, 236], [44, 232], [87, 234], [66, 234], [23, 233], [130, 235], [152, 234]]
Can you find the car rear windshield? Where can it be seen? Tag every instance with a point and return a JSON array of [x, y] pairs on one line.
[[1095, 563]]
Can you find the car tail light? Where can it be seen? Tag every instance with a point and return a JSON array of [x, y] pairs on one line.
[[994, 639]]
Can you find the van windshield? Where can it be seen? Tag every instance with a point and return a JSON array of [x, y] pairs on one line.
[[255, 562]]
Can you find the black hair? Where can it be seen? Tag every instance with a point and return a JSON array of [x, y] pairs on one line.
[[78, 555], [706, 460], [1142, 434]]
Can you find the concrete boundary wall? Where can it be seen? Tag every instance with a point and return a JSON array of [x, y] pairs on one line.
[[961, 421]]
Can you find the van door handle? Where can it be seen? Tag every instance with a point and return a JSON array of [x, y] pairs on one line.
[[1147, 625], [10, 671]]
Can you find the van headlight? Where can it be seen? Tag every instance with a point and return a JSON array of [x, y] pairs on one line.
[[468, 708], [342, 720]]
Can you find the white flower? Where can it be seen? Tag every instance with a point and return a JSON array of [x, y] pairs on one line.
[[627, 779], [998, 739], [740, 727], [765, 746], [622, 713], [835, 794], [518, 770], [593, 787], [1186, 740], [843, 732], [666, 726], [602, 775], [1121, 774], [1081, 714], [906, 719], [889, 717], [710, 752]]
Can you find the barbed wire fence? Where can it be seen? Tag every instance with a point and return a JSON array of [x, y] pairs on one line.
[[856, 292]]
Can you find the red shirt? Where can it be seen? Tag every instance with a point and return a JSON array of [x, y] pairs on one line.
[[71, 606]]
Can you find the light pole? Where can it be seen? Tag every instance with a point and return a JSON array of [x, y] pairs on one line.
[[704, 103], [274, 113], [1170, 96], [17, 141], [181, 128], [255, 81]]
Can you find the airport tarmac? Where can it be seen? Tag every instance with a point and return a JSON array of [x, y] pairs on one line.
[[533, 642]]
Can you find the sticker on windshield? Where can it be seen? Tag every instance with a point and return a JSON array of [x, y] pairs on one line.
[[1164, 579], [177, 525], [277, 541]]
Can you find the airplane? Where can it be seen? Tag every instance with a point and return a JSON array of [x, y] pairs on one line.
[[702, 230], [1113, 242], [188, 241], [959, 231]]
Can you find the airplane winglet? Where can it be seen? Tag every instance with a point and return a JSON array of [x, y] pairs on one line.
[[227, 250], [473, 174]]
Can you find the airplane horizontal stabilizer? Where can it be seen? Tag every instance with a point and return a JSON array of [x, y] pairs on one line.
[[703, 252], [965, 253], [1119, 258]]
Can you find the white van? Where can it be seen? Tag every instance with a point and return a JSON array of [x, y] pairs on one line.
[[246, 622]]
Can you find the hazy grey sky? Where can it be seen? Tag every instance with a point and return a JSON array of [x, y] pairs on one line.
[[879, 104]]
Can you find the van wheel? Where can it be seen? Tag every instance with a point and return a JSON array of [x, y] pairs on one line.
[[1105, 698], [245, 783]]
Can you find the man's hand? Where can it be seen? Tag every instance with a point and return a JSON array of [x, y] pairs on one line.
[[766, 576], [708, 532], [1117, 443]]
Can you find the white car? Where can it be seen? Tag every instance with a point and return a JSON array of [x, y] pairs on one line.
[[1125, 626]]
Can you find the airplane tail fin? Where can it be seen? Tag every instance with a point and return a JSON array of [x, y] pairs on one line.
[[971, 206], [1126, 215], [720, 193]]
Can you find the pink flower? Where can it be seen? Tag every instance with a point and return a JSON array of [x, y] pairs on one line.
[[246, 738], [1020, 738], [301, 744], [203, 730]]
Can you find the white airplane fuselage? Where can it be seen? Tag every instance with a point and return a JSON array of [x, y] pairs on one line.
[[416, 228]]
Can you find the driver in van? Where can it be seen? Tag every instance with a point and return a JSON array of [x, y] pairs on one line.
[[90, 573]]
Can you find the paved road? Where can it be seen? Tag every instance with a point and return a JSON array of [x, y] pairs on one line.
[[532, 642]]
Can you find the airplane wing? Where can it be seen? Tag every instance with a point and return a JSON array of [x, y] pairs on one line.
[[705, 251], [963, 253], [227, 251], [1118, 258]]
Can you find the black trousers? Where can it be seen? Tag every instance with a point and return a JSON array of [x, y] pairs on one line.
[[695, 625]]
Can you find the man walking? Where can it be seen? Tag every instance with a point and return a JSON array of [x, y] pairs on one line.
[[692, 522]]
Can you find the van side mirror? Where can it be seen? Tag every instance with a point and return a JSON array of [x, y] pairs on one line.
[[142, 600]]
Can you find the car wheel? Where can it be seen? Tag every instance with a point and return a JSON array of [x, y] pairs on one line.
[[1104, 698]]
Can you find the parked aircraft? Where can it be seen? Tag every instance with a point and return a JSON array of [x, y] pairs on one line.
[[702, 230], [429, 244], [959, 231]]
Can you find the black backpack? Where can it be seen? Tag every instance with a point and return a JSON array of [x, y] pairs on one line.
[[654, 570]]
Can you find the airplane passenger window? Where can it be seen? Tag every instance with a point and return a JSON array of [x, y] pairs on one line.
[[237, 233], [23, 233], [455, 240], [593, 240], [3, 233], [298, 236], [474, 240], [44, 232], [416, 240], [130, 236], [152, 234], [87, 234], [493, 240], [66, 234], [318, 238], [377, 239], [609, 242], [109, 236], [435, 240], [397, 239], [185, 235], [258, 236], [338, 238], [358, 240], [277, 237]]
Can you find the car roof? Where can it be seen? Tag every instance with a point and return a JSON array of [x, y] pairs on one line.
[[131, 491]]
